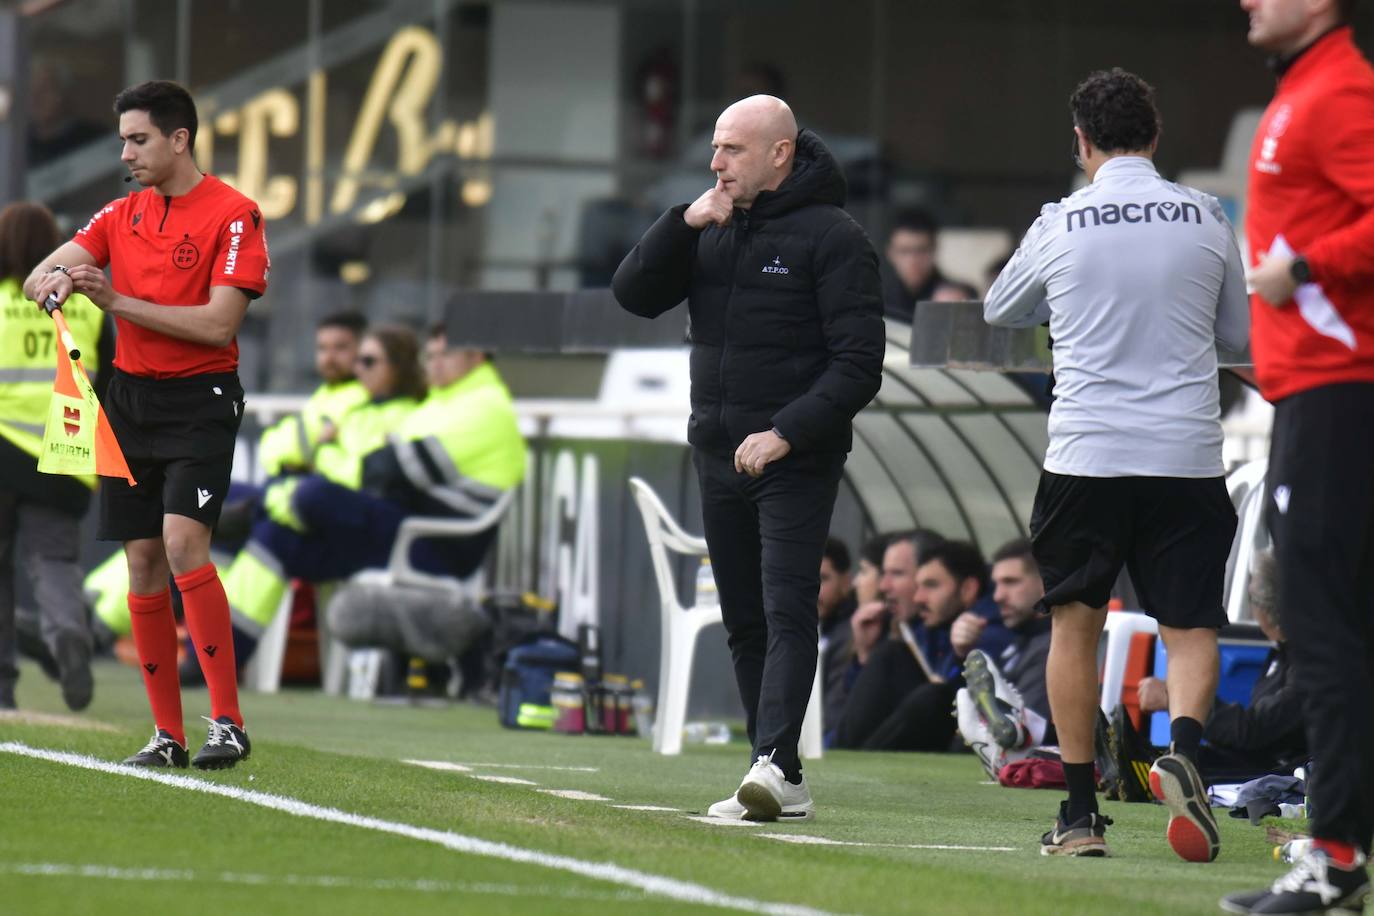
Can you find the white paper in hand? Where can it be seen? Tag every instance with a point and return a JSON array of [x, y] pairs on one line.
[[1313, 305]]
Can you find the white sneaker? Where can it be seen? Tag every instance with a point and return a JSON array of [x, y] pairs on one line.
[[728, 808], [765, 795], [975, 733]]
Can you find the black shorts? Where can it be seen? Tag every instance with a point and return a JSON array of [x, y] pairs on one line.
[[1172, 534], [178, 436]]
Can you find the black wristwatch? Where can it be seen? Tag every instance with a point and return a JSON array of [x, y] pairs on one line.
[[1300, 270], [57, 267]]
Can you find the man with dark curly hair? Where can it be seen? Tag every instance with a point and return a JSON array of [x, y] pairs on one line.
[[1139, 280]]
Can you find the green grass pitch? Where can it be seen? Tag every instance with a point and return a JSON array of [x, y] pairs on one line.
[[77, 841]]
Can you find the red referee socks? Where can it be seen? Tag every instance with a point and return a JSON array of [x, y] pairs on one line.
[[207, 618], [155, 637]]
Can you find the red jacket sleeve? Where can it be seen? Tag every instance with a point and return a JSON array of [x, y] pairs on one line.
[[95, 235], [241, 259], [1347, 254]]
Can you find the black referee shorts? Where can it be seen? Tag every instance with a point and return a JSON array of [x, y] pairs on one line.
[[1172, 534], [178, 436]]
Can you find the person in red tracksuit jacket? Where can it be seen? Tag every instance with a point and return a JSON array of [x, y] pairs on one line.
[[1310, 227]]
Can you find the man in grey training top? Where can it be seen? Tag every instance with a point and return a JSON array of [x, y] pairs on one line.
[[1139, 279]]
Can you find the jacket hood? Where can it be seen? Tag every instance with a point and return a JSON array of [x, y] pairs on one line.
[[816, 179]]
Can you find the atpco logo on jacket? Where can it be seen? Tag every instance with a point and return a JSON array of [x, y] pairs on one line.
[[1164, 211]]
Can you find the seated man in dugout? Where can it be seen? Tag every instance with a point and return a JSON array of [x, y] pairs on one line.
[[846, 650], [1004, 712], [902, 700]]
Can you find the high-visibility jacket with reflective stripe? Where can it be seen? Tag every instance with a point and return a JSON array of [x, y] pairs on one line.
[[457, 453], [290, 443], [28, 360], [363, 429]]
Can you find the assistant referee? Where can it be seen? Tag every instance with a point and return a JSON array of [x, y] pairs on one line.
[[186, 255]]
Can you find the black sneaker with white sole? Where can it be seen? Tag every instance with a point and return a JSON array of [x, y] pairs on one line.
[[1086, 836], [162, 751], [225, 746], [1315, 885]]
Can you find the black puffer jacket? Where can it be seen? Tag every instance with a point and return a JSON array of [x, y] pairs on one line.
[[786, 310]]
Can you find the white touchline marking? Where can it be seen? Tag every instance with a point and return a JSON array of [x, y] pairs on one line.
[[645, 808], [660, 885], [807, 840], [574, 794], [463, 767], [423, 885], [722, 821], [506, 780], [440, 765]]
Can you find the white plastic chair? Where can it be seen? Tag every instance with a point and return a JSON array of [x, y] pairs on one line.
[[680, 627], [1247, 489], [1120, 627], [360, 667]]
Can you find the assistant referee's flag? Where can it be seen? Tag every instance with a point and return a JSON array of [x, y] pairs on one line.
[[77, 439]]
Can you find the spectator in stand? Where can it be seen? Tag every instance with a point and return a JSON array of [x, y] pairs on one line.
[[844, 654], [835, 600], [902, 698], [910, 274]]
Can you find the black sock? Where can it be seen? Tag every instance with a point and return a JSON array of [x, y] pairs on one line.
[[1082, 790], [1185, 735]]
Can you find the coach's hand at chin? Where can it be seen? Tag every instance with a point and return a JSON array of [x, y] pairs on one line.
[[760, 450], [92, 283]]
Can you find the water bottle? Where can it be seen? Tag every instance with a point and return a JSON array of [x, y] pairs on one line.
[[706, 733], [706, 595], [1293, 849]]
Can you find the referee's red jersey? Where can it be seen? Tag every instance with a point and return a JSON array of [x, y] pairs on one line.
[[1312, 181], [170, 251]]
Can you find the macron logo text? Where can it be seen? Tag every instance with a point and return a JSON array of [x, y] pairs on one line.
[[1165, 211]]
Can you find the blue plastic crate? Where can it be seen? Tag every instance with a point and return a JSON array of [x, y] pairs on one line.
[[1242, 663]]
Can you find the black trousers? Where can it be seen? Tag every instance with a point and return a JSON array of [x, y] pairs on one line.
[[894, 707], [766, 536], [1321, 515]]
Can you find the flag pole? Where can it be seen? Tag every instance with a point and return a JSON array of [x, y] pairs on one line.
[[54, 309]]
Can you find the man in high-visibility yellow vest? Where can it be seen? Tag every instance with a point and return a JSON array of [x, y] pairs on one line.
[[290, 444], [455, 455], [40, 514]]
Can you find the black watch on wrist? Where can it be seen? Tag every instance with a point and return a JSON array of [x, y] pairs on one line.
[[1300, 270], [57, 267]]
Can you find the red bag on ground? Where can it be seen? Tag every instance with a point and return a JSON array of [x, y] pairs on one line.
[[1033, 773]]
